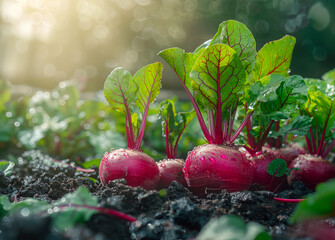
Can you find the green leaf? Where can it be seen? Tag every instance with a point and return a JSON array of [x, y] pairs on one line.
[[7, 167], [120, 90], [218, 76], [277, 167], [232, 227], [148, 80], [177, 123], [238, 37], [167, 113], [281, 95], [329, 76], [327, 87], [65, 213], [319, 204], [5, 205], [298, 127], [70, 216], [181, 62], [322, 108], [274, 57]]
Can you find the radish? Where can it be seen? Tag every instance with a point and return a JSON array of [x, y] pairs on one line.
[[214, 77], [290, 152], [125, 92], [277, 96], [171, 169], [320, 138], [173, 126]]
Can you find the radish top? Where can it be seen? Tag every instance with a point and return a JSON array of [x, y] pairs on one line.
[[320, 106], [173, 126], [125, 92], [214, 76]]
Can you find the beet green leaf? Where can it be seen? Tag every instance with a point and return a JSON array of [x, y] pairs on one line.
[[322, 108], [182, 63], [218, 76], [298, 127], [277, 168], [238, 37], [280, 95], [120, 90], [173, 126], [274, 57], [148, 80]]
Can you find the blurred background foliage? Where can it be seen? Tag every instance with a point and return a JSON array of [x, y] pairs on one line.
[[44, 42]]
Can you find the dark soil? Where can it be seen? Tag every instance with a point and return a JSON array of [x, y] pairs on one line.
[[177, 215]]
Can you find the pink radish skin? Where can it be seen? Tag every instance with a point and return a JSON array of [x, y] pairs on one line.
[[262, 179], [313, 170], [136, 167], [169, 170], [290, 152], [212, 167]]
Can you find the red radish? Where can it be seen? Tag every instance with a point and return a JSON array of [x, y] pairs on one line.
[[122, 91], [214, 167], [214, 78], [135, 166], [290, 152], [173, 126], [262, 179], [171, 170], [313, 170], [259, 155]]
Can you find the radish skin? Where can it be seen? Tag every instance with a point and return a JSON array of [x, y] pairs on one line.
[[170, 170], [136, 167], [262, 179], [212, 167], [290, 152], [313, 170]]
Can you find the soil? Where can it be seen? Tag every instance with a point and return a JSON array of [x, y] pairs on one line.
[[177, 215]]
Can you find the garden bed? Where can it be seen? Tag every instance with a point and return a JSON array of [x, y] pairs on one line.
[[173, 214]]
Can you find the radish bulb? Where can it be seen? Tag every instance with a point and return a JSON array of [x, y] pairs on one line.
[[173, 126], [212, 167], [171, 170], [312, 170], [136, 167], [124, 92]]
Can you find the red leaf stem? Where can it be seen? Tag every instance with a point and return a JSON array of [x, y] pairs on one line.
[[240, 128], [264, 136], [328, 149], [251, 139], [313, 141], [285, 200], [323, 133], [308, 142]]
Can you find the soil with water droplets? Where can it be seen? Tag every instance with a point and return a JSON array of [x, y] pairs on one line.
[[177, 215]]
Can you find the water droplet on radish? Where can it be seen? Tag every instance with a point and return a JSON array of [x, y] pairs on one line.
[[213, 153], [212, 159], [163, 165], [223, 156], [202, 159]]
